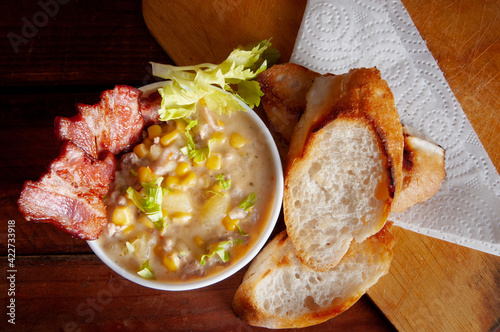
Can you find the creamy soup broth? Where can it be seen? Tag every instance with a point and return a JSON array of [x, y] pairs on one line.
[[208, 221]]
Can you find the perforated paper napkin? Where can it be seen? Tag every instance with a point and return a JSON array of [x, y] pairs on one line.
[[338, 35]]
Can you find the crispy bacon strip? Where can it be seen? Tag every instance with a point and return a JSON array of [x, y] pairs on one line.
[[114, 124], [70, 194]]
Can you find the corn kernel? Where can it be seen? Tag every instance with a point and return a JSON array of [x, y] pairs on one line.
[[182, 168], [219, 136], [154, 131], [141, 150], [199, 241], [229, 224], [145, 174], [180, 125], [217, 188], [169, 138], [237, 141], [189, 179], [172, 180], [146, 221], [213, 162], [128, 229], [121, 216], [181, 217], [171, 262], [147, 142]]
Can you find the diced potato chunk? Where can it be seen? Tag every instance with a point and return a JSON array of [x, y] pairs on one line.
[[154, 151], [215, 208], [142, 246], [176, 201]]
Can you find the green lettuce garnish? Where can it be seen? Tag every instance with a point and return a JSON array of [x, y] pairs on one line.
[[190, 150], [211, 82], [248, 202], [146, 271], [223, 182], [241, 231], [222, 250], [149, 200]]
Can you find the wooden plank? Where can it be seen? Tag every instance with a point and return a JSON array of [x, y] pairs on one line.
[[87, 43], [78, 292], [193, 36]]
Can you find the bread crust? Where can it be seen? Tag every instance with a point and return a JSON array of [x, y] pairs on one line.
[[285, 87], [360, 96], [423, 170], [361, 93], [283, 106], [279, 253]]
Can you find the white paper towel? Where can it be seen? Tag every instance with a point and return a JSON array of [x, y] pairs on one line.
[[338, 35]]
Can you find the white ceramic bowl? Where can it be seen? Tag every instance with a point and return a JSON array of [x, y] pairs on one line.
[[236, 266]]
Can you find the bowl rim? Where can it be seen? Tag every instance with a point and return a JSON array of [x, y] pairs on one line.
[[243, 261]]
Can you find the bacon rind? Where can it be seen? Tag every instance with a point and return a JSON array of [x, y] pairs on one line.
[[114, 124], [149, 107], [69, 195]]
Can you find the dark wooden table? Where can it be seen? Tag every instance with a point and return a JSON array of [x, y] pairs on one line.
[[54, 54]]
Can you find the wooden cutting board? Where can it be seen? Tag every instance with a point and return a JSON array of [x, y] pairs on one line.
[[432, 285]]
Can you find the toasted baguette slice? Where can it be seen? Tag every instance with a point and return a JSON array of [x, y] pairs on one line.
[[285, 87], [284, 100], [423, 170], [278, 291], [344, 166]]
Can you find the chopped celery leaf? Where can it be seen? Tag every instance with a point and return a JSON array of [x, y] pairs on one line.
[[248, 202], [146, 271], [223, 182], [209, 81], [222, 251], [149, 201]]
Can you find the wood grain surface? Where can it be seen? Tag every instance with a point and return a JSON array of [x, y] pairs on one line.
[[432, 285], [81, 49]]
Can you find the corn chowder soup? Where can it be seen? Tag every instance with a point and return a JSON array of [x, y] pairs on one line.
[[192, 198]]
